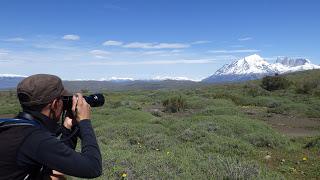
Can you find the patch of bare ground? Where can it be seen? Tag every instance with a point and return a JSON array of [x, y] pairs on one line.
[[286, 124], [7, 115]]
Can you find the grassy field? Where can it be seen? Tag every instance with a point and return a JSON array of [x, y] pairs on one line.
[[234, 131]]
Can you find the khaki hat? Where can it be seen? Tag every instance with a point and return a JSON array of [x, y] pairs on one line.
[[40, 89]]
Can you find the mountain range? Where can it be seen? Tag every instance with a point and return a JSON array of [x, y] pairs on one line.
[[248, 68], [255, 67]]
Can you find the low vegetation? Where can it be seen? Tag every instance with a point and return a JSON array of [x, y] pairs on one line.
[[277, 82], [174, 104], [210, 132]]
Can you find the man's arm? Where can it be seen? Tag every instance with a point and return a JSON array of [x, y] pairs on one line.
[[49, 151]]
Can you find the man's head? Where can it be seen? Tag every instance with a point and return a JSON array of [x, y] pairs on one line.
[[42, 93]]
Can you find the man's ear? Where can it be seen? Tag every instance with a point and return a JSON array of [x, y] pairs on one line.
[[54, 103]]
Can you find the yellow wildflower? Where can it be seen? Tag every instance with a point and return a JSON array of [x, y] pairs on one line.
[[168, 153], [304, 158], [124, 175], [158, 149]]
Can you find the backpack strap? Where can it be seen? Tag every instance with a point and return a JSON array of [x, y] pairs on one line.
[[4, 123]]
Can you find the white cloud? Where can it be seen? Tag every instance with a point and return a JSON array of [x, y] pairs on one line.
[[16, 39], [138, 45], [156, 45], [170, 46], [4, 52], [201, 42], [155, 62], [71, 37], [176, 51], [112, 43], [234, 51], [146, 45], [99, 53], [245, 39], [154, 52]]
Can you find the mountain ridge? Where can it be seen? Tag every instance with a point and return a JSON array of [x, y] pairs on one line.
[[255, 67]]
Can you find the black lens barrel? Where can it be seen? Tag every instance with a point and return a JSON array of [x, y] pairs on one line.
[[94, 100]]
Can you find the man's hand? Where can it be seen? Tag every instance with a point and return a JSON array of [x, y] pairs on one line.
[[80, 107], [69, 123], [57, 176]]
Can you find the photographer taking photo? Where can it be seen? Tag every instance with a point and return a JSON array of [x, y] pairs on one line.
[[29, 145]]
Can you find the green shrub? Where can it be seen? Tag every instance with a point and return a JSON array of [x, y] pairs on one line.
[[174, 104], [259, 139], [314, 143], [306, 87], [254, 90], [233, 168], [272, 83]]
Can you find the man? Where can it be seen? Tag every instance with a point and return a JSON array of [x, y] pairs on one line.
[[29, 148]]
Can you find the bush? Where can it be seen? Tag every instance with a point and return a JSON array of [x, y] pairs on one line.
[[236, 169], [314, 143], [259, 139], [254, 90], [174, 104], [272, 83], [306, 87]]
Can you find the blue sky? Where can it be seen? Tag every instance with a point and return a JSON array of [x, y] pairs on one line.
[[101, 39]]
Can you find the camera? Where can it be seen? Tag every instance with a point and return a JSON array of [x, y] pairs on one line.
[[94, 100]]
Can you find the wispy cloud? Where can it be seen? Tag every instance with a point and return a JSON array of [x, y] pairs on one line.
[[4, 52], [201, 42], [147, 45], [245, 39], [112, 43], [159, 62], [156, 45], [113, 7], [71, 37], [99, 53], [16, 39], [234, 51]]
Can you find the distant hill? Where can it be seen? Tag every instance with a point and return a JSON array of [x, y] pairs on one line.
[[9, 81], [96, 86]]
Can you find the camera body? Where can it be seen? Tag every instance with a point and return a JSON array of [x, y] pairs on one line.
[[94, 100]]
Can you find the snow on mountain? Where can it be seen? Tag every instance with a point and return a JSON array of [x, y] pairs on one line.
[[162, 78], [253, 64], [8, 81], [117, 79], [11, 75], [127, 79], [292, 62], [255, 67]]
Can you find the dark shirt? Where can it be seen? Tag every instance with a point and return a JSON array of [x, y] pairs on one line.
[[42, 147]]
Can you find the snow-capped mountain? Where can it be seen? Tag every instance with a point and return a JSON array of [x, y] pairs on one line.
[[11, 75], [253, 64], [8, 81], [255, 67]]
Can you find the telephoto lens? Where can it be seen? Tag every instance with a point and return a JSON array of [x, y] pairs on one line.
[[94, 100]]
